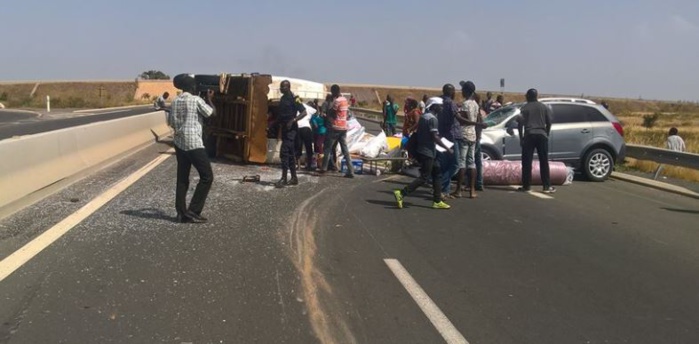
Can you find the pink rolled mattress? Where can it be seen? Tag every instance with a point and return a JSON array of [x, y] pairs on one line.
[[510, 173]]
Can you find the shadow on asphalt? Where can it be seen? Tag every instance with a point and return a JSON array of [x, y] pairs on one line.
[[499, 188], [391, 181], [150, 213], [392, 204], [684, 211]]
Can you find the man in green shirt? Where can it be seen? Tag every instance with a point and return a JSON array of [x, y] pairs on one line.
[[390, 111]]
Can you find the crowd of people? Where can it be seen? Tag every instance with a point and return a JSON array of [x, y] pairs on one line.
[[443, 138]]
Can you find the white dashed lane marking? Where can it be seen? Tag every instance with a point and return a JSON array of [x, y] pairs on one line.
[[438, 319]]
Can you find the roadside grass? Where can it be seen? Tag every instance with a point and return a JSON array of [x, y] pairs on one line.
[[70, 94], [688, 126]]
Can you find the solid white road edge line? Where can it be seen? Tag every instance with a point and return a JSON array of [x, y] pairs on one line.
[[438, 319], [15, 261], [534, 193]]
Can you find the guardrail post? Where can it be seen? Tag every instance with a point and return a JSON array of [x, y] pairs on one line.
[[48, 104]]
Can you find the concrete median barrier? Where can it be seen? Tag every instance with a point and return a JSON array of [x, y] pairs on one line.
[[34, 162]]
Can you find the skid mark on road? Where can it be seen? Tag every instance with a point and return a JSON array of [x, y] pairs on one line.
[[326, 319], [438, 319]]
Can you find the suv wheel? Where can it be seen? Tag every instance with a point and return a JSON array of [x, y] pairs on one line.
[[598, 165], [487, 154]]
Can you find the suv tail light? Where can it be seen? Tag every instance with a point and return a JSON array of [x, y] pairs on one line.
[[619, 128]]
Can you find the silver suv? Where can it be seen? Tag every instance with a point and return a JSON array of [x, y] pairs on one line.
[[584, 135]]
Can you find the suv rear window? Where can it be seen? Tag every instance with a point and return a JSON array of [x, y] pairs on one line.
[[593, 115], [564, 113]]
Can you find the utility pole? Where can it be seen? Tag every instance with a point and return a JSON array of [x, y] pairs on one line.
[[101, 90]]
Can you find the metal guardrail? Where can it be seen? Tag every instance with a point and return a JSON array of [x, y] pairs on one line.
[[375, 116], [663, 156], [659, 155]]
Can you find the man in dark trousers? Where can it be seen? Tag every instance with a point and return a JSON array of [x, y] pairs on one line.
[[186, 117], [428, 139], [450, 129], [289, 106], [337, 131], [536, 121]]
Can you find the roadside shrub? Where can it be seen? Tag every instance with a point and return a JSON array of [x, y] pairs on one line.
[[145, 96], [362, 103], [75, 102], [56, 103], [650, 120], [3, 96]]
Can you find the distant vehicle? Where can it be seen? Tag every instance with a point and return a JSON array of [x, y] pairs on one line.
[[584, 135]]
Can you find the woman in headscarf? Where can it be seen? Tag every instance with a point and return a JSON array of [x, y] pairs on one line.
[[412, 116]]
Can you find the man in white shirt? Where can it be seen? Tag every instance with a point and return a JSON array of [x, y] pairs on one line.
[[421, 105], [304, 138], [160, 104], [468, 117], [675, 142]]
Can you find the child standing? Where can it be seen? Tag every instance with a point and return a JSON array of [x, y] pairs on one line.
[[319, 131]]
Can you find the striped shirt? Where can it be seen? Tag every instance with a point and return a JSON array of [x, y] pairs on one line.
[[186, 118]]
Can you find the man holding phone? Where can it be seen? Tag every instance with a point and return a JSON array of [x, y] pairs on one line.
[[186, 117]]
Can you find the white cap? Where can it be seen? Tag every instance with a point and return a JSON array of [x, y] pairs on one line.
[[434, 101]]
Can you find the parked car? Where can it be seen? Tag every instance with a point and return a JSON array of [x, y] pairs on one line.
[[584, 135]]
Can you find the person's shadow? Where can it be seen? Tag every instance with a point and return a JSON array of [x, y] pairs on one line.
[[150, 213]]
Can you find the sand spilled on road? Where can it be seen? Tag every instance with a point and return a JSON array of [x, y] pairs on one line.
[[324, 312]]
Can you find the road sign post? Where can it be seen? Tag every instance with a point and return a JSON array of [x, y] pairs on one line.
[[101, 90]]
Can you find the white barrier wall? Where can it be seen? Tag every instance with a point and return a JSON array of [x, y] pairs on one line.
[[31, 163]]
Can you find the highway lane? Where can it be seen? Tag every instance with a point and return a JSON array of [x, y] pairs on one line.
[[597, 263], [9, 116], [20, 128], [129, 273]]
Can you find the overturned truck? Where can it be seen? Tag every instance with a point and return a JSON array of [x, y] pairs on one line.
[[245, 105]]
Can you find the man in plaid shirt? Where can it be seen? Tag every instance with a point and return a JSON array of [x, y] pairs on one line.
[[185, 117]]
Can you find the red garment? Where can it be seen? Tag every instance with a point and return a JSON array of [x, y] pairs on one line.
[[410, 120], [340, 107]]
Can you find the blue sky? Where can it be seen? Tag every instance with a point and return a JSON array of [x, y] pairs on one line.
[[646, 48]]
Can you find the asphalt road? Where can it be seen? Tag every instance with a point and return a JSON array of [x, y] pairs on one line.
[[597, 263], [10, 116], [16, 125]]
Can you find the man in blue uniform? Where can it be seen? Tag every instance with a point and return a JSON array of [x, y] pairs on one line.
[[289, 106]]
